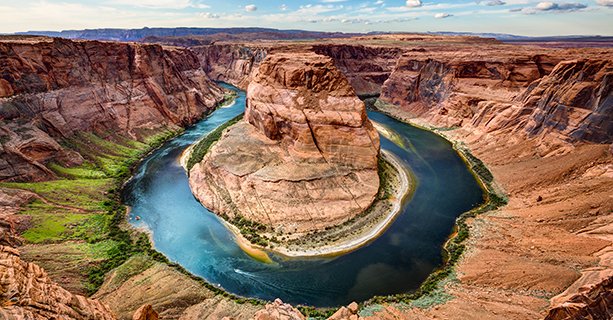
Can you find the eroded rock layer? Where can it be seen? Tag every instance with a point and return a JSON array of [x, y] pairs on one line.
[[52, 89], [304, 158], [26, 292]]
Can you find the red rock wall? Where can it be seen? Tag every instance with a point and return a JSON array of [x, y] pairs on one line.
[[527, 93], [52, 89]]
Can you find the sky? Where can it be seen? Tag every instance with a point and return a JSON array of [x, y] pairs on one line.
[[521, 17]]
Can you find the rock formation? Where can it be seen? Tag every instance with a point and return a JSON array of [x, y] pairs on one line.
[[366, 67], [575, 100], [305, 150], [595, 302], [51, 89], [26, 292], [145, 312], [279, 311], [496, 90], [235, 64]]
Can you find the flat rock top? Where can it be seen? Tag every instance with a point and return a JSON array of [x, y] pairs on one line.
[[246, 151], [303, 70]]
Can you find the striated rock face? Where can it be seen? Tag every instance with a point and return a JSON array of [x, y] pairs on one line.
[[576, 100], [26, 292], [452, 84], [54, 88], [235, 64], [530, 94], [305, 150], [365, 67], [596, 302]]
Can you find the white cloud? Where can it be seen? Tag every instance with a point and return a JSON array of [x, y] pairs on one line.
[[441, 15], [493, 2], [250, 8], [283, 7], [550, 6], [413, 3], [379, 2], [209, 15], [606, 3], [332, 1]]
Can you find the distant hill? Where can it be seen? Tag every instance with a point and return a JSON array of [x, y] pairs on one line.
[[140, 34], [515, 38]]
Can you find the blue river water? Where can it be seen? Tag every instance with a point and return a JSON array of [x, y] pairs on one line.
[[398, 261]]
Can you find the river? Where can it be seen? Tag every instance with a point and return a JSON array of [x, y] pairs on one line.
[[398, 261]]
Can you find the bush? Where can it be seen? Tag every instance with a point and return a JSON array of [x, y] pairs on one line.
[[203, 146]]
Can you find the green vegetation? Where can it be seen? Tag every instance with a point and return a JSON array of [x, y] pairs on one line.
[[85, 171], [84, 205], [228, 98], [80, 194], [316, 313], [250, 230], [50, 223], [203, 146]]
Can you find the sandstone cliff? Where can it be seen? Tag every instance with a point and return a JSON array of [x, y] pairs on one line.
[[231, 63], [366, 67], [51, 89], [305, 150], [26, 292], [522, 92]]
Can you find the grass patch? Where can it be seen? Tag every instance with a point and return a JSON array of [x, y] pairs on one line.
[[203, 146], [86, 194], [85, 171], [50, 223]]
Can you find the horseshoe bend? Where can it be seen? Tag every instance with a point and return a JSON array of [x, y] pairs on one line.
[[269, 174], [305, 158]]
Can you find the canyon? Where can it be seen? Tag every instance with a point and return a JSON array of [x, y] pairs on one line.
[[539, 118], [305, 157]]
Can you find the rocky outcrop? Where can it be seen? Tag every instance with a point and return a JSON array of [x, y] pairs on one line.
[[54, 88], [305, 150], [26, 292], [595, 302], [278, 311], [575, 100], [145, 312], [449, 86]]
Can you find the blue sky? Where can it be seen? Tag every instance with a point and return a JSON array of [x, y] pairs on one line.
[[523, 17]]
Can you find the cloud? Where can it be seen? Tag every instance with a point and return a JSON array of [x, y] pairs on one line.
[[441, 15], [208, 15], [250, 8], [283, 7], [606, 3], [379, 2], [413, 3], [493, 2], [554, 7], [332, 1]]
